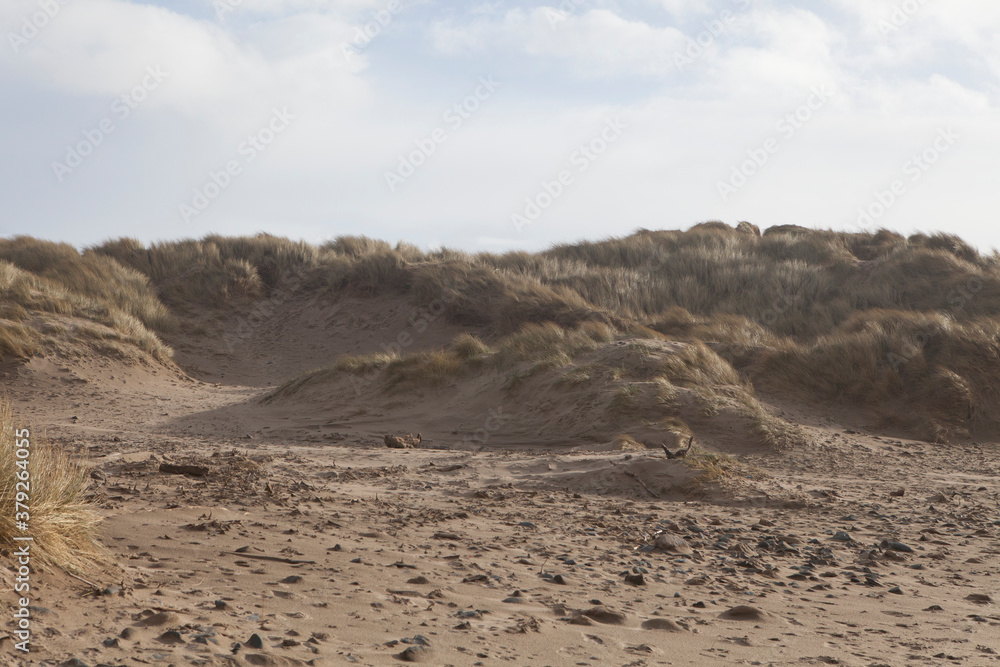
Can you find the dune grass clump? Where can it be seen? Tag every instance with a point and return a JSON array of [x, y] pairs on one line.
[[61, 522], [116, 300], [92, 276]]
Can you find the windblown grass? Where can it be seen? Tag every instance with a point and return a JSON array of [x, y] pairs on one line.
[[792, 310], [61, 522]]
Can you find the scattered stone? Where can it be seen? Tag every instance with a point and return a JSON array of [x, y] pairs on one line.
[[408, 441], [170, 637], [744, 613], [160, 619], [605, 615], [661, 624], [255, 641], [979, 598], [421, 579], [415, 654], [635, 579], [292, 579], [672, 544], [841, 536], [896, 590]]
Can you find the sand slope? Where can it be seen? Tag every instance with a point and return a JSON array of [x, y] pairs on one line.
[[307, 541]]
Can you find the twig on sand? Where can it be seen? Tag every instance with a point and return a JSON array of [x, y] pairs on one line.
[[279, 559], [89, 583], [648, 490]]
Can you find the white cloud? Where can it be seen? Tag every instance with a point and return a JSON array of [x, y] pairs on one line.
[[594, 43]]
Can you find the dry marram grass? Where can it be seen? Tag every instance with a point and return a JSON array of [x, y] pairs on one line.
[[61, 522]]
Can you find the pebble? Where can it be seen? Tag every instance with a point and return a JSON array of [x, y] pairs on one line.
[[635, 579], [661, 624], [743, 613], [605, 615], [415, 654]]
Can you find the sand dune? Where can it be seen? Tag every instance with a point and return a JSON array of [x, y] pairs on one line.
[[253, 515]]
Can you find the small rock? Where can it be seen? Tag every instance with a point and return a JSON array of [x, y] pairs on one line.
[[292, 579], [418, 640], [418, 580], [160, 619], [415, 654], [743, 613], [672, 544], [979, 598], [841, 536], [255, 641], [635, 579], [661, 624], [896, 590], [605, 615], [170, 637], [558, 579]]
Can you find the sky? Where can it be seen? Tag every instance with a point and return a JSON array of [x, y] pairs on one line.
[[498, 125]]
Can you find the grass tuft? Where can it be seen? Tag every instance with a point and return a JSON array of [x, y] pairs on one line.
[[61, 522]]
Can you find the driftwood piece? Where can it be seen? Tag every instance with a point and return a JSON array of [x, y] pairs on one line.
[[194, 471], [278, 559], [636, 478]]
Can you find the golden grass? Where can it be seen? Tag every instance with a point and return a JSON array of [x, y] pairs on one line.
[[74, 290], [62, 524], [787, 311]]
